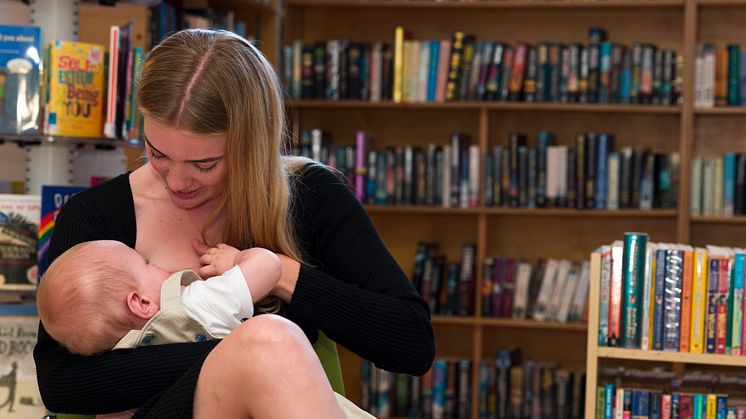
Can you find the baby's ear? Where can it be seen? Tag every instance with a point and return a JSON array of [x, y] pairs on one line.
[[141, 306]]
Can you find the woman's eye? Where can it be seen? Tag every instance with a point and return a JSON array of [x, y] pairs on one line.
[[207, 169]]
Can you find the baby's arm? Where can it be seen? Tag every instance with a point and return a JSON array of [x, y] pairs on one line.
[[260, 267]]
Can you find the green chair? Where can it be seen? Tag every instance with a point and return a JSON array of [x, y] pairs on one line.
[[326, 350]]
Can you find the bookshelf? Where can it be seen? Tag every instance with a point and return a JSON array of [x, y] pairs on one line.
[[526, 233]]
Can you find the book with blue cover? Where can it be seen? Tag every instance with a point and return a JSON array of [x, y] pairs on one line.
[[20, 68]]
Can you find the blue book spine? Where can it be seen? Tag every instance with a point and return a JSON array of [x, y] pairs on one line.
[[604, 88], [675, 398], [432, 75], [603, 147], [729, 183], [742, 80], [660, 274], [722, 407], [625, 85], [440, 368], [672, 299], [609, 402], [655, 405]]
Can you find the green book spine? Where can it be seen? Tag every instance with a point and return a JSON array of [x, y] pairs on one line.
[[633, 268], [734, 67]]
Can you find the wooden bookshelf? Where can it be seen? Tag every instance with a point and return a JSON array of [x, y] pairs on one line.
[[530, 234], [51, 139]]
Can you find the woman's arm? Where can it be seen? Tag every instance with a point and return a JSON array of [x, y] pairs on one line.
[[117, 380], [356, 292]]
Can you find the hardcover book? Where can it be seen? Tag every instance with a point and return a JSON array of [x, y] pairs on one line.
[[19, 393], [19, 223], [20, 65]]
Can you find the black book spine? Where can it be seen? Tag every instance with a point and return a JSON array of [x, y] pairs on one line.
[[638, 163], [740, 176], [387, 71], [591, 163], [625, 177], [515, 141], [307, 76], [657, 92], [522, 177], [530, 91], [572, 195], [319, 70], [353, 71], [580, 162], [452, 83], [466, 67]]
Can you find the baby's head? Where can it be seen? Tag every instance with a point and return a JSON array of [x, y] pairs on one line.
[[83, 296]]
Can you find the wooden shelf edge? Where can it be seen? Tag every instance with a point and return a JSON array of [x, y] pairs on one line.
[[729, 110], [489, 4], [50, 139], [508, 323], [420, 209], [720, 2], [679, 357], [489, 106], [736, 219], [533, 324]]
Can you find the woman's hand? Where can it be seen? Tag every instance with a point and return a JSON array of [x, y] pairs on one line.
[[215, 260]]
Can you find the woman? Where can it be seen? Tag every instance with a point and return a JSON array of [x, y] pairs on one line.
[[213, 123]]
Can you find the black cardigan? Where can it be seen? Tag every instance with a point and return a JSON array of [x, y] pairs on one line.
[[353, 290]]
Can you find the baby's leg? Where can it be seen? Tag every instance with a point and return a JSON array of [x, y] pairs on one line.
[[266, 368]]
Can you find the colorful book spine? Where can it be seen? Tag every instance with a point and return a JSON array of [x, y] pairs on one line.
[[721, 330], [633, 270], [699, 301], [672, 299], [616, 294], [658, 299], [736, 313], [686, 301], [712, 288]]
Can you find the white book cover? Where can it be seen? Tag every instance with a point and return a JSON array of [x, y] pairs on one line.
[[423, 69], [473, 176], [332, 70], [699, 76], [545, 292], [563, 273], [520, 299], [375, 72], [111, 90], [567, 293], [709, 78], [19, 392]]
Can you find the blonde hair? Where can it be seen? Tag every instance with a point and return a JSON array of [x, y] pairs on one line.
[[81, 300], [217, 83]]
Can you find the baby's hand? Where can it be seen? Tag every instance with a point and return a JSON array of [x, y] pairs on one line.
[[217, 260]]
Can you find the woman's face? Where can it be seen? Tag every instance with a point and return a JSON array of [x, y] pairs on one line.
[[191, 166]]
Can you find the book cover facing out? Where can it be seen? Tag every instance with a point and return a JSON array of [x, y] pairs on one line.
[[52, 199], [19, 226], [75, 103], [19, 393], [20, 66]]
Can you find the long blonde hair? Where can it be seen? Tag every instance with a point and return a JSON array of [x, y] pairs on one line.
[[215, 82]]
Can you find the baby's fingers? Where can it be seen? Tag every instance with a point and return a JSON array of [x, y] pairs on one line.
[[206, 259], [207, 271]]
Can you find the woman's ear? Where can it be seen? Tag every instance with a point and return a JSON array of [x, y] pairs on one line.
[[141, 306]]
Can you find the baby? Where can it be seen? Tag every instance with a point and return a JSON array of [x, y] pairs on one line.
[[103, 295]]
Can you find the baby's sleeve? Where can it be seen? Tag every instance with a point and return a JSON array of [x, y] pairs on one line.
[[220, 303]]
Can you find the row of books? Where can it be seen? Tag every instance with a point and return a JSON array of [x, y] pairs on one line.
[[464, 68], [547, 290], [615, 401], [589, 175], [447, 286], [671, 297], [718, 187], [720, 76], [167, 18], [509, 388], [443, 392], [86, 91]]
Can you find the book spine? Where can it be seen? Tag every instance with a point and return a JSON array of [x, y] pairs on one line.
[[686, 301], [399, 36], [452, 83], [615, 308], [721, 329], [633, 269], [672, 299], [658, 321], [699, 301], [712, 290], [736, 312]]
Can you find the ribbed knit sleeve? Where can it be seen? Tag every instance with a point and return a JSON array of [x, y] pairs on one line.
[[117, 380], [355, 292]]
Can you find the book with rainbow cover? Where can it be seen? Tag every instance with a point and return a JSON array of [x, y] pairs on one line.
[[52, 199]]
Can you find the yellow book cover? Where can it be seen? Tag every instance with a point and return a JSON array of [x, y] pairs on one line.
[[699, 301], [399, 37], [712, 406], [76, 89]]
